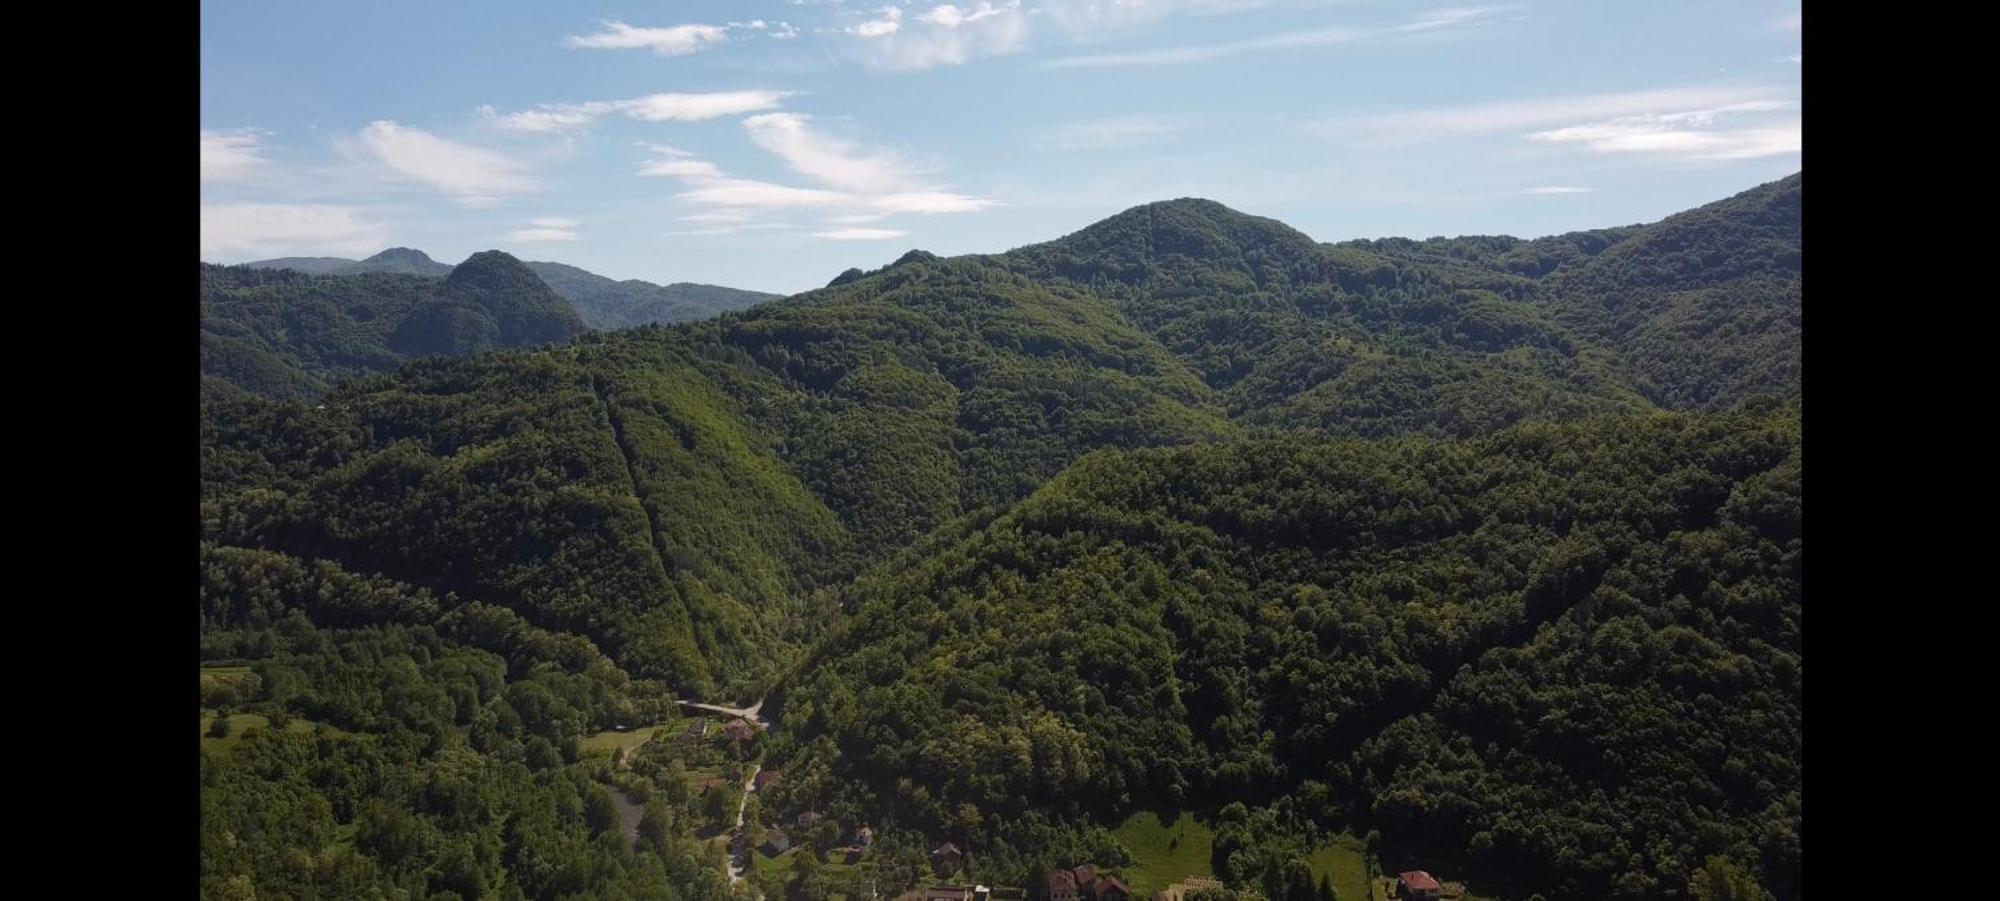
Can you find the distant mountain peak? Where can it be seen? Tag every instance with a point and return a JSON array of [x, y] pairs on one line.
[[493, 268], [402, 255]]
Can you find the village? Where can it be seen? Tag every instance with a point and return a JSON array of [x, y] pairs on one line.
[[767, 830]]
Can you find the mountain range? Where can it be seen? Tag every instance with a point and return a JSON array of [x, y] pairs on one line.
[[603, 303], [1489, 546]]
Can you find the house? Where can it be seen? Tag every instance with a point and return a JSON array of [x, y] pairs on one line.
[[957, 893], [946, 858], [768, 778], [864, 836], [739, 730], [1061, 885], [1417, 884], [695, 731], [1084, 883], [776, 842], [807, 819]]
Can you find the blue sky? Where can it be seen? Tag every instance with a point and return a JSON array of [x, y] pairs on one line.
[[770, 145]]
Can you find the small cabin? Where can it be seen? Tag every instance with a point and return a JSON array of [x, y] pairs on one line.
[[1418, 884]]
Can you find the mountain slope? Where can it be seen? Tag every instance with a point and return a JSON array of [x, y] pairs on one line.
[[285, 334], [1706, 306], [676, 494], [608, 304], [602, 302], [1471, 646], [1337, 339]]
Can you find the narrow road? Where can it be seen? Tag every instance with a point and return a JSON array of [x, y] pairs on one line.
[[749, 782], [753, 713]]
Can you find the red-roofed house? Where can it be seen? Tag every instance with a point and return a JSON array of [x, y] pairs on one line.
[[1417, 884], [768, 778]]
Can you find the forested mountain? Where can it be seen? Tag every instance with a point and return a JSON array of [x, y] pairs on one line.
[[610, 304], [1455, 540], [1565, 655], [602, 302], [285, 334]]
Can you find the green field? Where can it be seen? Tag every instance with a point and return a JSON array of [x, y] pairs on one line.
[[1164, 853], [1346, 861], [604, 742], [240, 722]]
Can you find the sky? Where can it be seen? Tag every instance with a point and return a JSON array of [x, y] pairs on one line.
[[771, 144]]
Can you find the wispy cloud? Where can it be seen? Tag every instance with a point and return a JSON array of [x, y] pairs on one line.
[[1432, 21], [547, 229], [474, 176], [860, 234], [1556, 189], [1541, 113], [1792, 22], [1697, 134], [231, 156], [678, 40], [890, 22], [824, 158], [943, 35], [562, 117], [247, 231], [853, 185], [1105, 134]]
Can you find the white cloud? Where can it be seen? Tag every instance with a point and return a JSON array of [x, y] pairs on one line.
[[474, 176], [1127, 131], [860, 234], [718, 216], [560, 117], [823, 158], [230, 156], [950, 16], [1556, 189], [558, 222], [744, 192], [944, 35], [1679, 136], [855, 187], [1789, 22], [1433, 21], [890, 23], [541, 235], [248, 231], [929, 202], [1522, 115], [678, 40]]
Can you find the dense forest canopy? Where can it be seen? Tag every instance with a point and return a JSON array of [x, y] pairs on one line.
[[1490, 547]]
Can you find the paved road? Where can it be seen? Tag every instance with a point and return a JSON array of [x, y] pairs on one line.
[[753, 713]]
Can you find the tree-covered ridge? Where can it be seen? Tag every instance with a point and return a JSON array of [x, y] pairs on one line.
[[610, 304], [284, 334], [1705, 306], [602, 302], [678, 494], [1335, 338], [1565, 655]]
